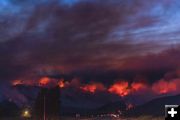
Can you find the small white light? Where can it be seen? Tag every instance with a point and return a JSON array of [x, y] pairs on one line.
[[26, 114]]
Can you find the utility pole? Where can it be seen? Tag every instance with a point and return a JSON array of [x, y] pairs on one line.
[[44, 107]]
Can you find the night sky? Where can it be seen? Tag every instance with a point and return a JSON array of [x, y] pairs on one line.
[[93, 49]]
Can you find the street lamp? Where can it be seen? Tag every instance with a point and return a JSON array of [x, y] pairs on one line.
[[26, 114], [44, 107]]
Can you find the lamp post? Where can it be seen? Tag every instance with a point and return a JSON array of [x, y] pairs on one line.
[[44, 107]]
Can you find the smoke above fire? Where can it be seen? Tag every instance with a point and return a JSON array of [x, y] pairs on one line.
[[163, 87], [93, 87], [120, 88], [123, 88]]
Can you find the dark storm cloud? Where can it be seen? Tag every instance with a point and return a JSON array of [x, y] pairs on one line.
[[76, 38], [68, 36]]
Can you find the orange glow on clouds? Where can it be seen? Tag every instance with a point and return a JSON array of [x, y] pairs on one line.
[[123, 88], [163, 87], [17, 82], [120, 88], [138, 86], [44, 81], [92, 88], [23, 82], [61, 84]]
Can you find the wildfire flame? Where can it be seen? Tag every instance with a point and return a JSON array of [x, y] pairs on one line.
[[92, 88], [61, 84], [17, 82], [136, 86], [120, 88], [44, 81], [163, 87], [129, 106], [123, 88]]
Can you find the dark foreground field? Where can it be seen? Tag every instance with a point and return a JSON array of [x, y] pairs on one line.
[[139, 118], [99, 118]]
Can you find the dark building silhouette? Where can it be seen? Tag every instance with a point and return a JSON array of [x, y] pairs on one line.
[[48, 102]]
